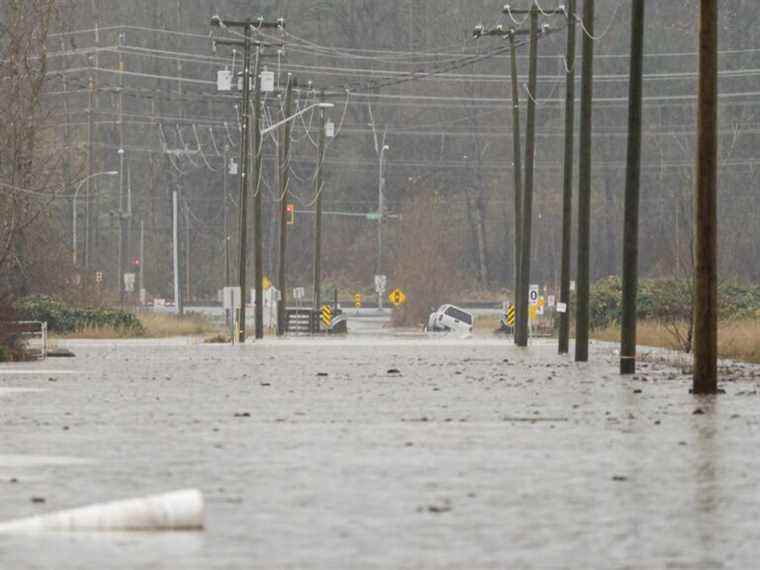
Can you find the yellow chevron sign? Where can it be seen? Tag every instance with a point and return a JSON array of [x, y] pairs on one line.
[[511, 315], [326, 316]]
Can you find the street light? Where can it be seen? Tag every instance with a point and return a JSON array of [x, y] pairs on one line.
[[380, 211], [74, 208]]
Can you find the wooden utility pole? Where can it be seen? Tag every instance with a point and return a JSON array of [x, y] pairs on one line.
[[245, 165], [226, 218], [245, 152], [584, 188], [258, 247], [632, 184], [567, 191], [706, 207], [284, 197], [318, 216], [88, 210], [527, 206], [517, 170]]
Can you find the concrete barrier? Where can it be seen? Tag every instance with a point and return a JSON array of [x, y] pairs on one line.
[[180, 510]]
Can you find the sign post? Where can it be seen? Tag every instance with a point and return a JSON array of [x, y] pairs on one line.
[[381, 282]]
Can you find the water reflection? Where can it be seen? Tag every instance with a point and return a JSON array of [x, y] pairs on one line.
[[704, 473]]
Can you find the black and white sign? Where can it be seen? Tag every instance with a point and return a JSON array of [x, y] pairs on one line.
[[534, 294]]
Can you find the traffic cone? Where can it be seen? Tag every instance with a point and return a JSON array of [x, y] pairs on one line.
[[180, 510]]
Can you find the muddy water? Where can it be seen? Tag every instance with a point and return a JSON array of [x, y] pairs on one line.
[[311, 454]]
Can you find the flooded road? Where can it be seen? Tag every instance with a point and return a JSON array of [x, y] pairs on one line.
[[382, 451]]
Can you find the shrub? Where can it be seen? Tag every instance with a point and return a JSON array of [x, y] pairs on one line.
[[668, 301], [64, 319]]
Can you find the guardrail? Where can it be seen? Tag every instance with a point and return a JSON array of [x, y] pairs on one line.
[[31, 328]]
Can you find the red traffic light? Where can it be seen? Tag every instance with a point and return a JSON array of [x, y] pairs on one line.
[[136, 262], [291, 209]]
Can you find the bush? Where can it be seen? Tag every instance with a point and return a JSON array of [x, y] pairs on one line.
[[64, 319], [667, 301]]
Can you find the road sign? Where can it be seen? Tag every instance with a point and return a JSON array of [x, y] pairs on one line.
[[381, 282], [397, 297], [98, 277], [551, 301], [129, 282], [231, 298], [327, 316], [266, 283], [562, 307], [511, 315], [358, 301], [534, 294], [374, 216], [299, 293]]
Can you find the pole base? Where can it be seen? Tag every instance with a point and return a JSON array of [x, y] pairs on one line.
[[627, 365]]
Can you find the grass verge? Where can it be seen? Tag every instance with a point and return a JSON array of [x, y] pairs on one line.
[[156, 325], [737, 340]]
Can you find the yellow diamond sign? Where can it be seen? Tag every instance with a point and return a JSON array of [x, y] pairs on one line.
[[397, 297]]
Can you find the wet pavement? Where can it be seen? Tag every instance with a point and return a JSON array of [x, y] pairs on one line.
[[382, 452]]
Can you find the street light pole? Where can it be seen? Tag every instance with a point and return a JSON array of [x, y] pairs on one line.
[[74, 209], [381, 213]]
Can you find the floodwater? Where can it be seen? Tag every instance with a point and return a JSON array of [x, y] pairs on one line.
[[311, 453]]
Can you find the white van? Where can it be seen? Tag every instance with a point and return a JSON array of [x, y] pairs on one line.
[[450, 318]]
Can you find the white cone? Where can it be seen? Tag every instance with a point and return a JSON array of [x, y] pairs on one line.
[[180, 510]]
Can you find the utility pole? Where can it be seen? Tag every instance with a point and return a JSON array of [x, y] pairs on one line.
[[567, 192], [511, 34], [91, 171], [123, 253], [705, 379], [245, 150], [226, 217], [258, 156], [523, 316], [142, 262], [188, 292], [318, 216], [381, 214], [284, 181], [517, 170], [584, 188], [175, 249], [632, 187]]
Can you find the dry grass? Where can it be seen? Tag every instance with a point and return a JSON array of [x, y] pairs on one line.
[[737, 340], [156, 325], [648, 333]]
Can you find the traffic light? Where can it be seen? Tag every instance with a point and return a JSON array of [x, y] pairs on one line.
[[291, 214], [136, 262]]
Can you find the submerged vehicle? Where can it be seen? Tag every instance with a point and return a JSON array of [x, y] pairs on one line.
[[449, 318]]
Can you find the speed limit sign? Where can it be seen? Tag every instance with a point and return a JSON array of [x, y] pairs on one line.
[[534, 294]]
